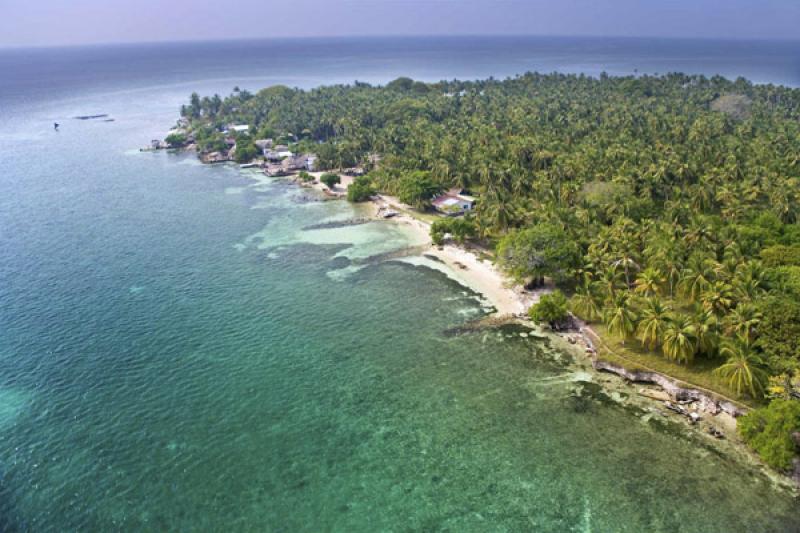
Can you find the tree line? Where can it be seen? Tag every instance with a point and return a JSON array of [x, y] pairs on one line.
[[666, 207]]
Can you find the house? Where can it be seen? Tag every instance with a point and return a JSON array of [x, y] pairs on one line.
[[263, 144], [355, 171], [274, 170], [311, 162], [276, 155], [216, 157], [453, 203], [241, 128], [294, 163]]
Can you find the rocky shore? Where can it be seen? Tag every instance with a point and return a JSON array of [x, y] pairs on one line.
[[511, 301], [707, 400]]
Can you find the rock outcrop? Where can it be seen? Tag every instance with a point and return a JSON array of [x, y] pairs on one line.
[[796, 470], [708, 401]]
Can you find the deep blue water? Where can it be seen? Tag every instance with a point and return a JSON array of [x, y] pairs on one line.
[[179, 351]]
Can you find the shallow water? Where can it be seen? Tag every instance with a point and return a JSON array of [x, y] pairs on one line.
[[179, 352]]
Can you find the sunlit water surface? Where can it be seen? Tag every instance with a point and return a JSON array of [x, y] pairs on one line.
[[181, 350]]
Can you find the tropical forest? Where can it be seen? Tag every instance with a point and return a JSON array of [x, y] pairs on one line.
[[664, 209]]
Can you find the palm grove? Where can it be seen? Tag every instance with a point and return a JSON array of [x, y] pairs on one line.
[[666, 206]]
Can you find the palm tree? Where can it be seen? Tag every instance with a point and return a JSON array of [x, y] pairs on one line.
[[627, 263], [749, 281], [654, 318], [649, 282], [742, 370], [717, 298], [743, 321], [700, 236], [609, 283], [706, 327], [671, 266], [497, 212], [586, 302], [697, 277], [680, 339], [619, 317]]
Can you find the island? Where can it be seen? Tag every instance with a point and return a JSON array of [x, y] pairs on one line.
[[654, 219]]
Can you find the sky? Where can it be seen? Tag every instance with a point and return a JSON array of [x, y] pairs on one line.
[[68, 22]]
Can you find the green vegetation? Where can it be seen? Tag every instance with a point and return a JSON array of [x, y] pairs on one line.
[[769, 430], [305, 177], [246, 150], [417, 188], [538, 251], [635, 356], [176, 140], [458, 228], [668, 206], [551, 308], [743, 368], [360, 190], [209, 139], [330, 179]]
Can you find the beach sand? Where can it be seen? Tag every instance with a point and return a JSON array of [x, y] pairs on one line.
[[465, 266], [510, 300], [339, 190]]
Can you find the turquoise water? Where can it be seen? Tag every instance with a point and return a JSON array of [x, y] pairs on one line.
[[182, 348]]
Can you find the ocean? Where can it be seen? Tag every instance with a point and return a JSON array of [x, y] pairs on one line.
[[194, 348]]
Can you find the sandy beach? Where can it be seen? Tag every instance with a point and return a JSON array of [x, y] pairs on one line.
[[465, 266], [338, 191], [510, 299]]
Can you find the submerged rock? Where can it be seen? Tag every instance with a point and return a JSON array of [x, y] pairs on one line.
[[339, 224]]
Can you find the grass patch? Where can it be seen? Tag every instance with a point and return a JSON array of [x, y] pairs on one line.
[[631, 355]]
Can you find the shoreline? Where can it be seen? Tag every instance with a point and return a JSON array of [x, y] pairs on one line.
[[652, 395], [467, 268], [511, 302]]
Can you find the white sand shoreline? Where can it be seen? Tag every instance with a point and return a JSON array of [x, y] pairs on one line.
[[465, 267], [511, 300]]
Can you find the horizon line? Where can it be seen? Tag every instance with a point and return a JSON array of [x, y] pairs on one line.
[[392, 36]]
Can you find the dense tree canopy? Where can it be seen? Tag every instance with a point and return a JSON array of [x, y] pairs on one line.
[[538, 251], [683, 189], [330, 179], [551, 309], [457, 228], [360, 190], [668, 205], [769, 430]]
